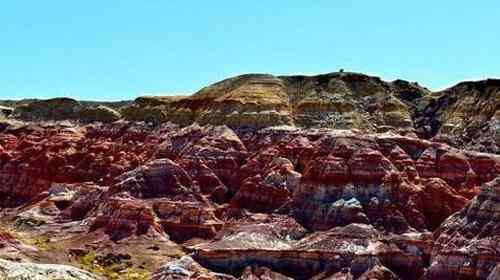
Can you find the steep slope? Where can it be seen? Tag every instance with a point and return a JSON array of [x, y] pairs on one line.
[[466, 115], [468, 243]]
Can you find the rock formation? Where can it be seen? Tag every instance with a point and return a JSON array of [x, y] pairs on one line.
[[99, 113], [336, 100], [5, 111], [278, 201], [335, 176], [51, 109], [467, 115], [339, 100], [467, 244], [21, 271]]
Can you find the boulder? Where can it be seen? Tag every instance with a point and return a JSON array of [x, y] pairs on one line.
[[5, 111], [20, 271]]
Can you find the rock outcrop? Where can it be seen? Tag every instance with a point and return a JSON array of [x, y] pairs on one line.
[[33, 157], [187, 268], [356, 248], [51, 109], [63, 108], [336, 100], [5, 111], [20, 271], [466, 115], [6, 239], [334, 176], [124, 218], [251, 203], [99, 113], [149, 109], [467, 244]]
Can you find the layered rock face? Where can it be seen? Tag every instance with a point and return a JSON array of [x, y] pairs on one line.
[[336, 100], [280, 202], [336, 176], [33, 157], [6, 239], [465, 115], [468, 243], [186, 268], [372, 179], [468, 115], [149, 109], [355, 249]]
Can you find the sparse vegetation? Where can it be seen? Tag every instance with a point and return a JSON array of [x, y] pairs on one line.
[[41, 243], [114, 271]]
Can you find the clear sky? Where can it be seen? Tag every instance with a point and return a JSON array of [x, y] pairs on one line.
[[112, 49]]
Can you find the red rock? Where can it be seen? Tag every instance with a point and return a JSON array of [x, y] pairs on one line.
[[202, 175], [455, 169], [158, 178], [83, 202], [369, 166], [426, 164], [486, 166], [186, 220], [355, 247], [256, 164], [378, 272], [270, 190], [258, 195], [262, 273], [244, 199], [217, 147], [467, 242], [5, 238], [329, 169], [125, 217], [437, 201], [34, 157]]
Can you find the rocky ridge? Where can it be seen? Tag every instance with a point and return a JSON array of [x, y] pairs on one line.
[[465, 115]]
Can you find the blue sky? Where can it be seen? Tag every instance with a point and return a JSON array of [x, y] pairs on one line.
[[112, 50]]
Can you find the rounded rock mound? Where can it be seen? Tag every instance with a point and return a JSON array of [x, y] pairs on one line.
[[20, 271], [51, 109], [99, 113]]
